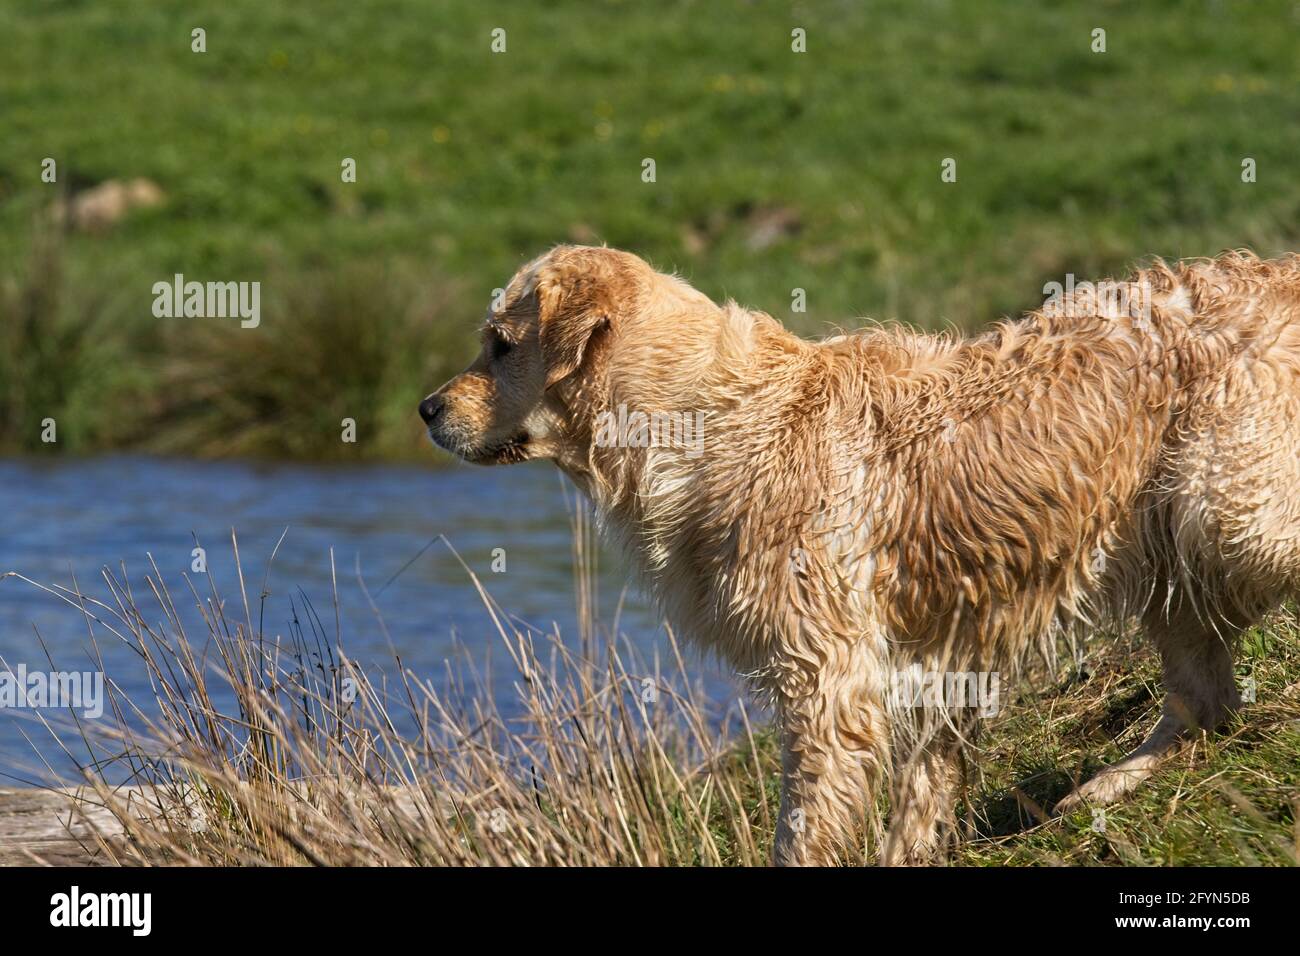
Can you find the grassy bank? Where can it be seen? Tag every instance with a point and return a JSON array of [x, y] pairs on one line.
[[605, 758], [358, 343], [775, 170]]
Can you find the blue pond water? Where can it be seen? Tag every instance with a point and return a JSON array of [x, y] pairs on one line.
[[62, 519]]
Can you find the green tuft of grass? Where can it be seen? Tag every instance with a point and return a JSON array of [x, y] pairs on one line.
[[343, 352], [339, 366], [67, 370]]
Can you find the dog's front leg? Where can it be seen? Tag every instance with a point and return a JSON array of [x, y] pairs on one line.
[[925, 787], [835, 748]]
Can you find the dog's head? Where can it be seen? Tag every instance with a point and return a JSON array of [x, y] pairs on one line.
[[541, 341]]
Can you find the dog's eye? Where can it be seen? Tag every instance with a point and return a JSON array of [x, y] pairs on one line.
[[500, 347]]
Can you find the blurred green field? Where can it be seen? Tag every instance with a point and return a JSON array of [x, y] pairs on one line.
[[775, 170]]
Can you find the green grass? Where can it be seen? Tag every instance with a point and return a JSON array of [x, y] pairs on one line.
[[1230, 799], [775, 170]]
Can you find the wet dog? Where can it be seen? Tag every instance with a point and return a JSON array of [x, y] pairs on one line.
[[879, 527]]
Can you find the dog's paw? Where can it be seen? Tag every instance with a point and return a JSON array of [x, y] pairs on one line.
[[1074, 800], [1111, 784]]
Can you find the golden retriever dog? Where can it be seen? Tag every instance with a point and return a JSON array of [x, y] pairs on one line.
[[879, 530]]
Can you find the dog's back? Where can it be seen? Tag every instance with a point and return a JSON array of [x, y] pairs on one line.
[[1062, 461]]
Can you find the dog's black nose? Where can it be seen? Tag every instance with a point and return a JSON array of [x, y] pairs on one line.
[[431, 408]]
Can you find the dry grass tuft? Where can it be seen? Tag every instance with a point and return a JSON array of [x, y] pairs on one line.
[[267, 749], [600, 760]]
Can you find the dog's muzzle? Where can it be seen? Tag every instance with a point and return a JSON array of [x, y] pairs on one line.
[[431, 408]]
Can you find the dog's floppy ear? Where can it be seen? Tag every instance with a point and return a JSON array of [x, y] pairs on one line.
[[576, 298]]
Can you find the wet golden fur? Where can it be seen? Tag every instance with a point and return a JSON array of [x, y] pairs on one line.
[[889, 502]]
